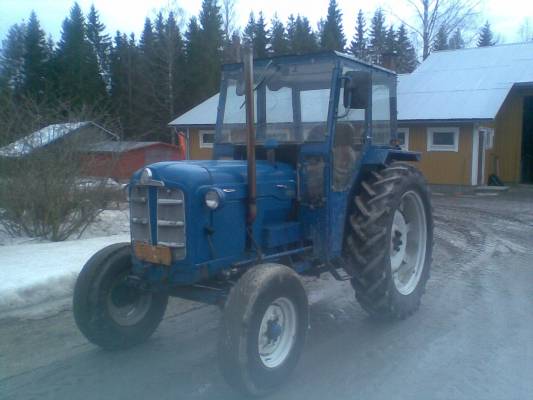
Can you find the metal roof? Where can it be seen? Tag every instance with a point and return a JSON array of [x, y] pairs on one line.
[[40, 138], [464, 84], [119, 147]]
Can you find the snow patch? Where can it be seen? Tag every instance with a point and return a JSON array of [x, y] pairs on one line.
[[36, 274]]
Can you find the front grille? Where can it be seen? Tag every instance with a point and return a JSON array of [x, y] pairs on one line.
[[140, 214], [169, 220]]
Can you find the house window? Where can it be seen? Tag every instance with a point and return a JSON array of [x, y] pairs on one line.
[[207, 139], [443, 139], [403, 138]]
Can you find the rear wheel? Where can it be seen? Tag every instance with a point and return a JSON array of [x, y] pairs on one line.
[[110, 313], [389, 243], [263, 329]]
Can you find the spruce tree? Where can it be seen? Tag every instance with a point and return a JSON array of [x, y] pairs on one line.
[[36, 58], [279, 43], [100, 41], [261, 37], [406, 60], [211, 43], [486, 37], [332, 33], [12, 58], [78, 77], [441, 39], [302, 38], [456, 41], [378, 34], [358, 45], [249, 30]]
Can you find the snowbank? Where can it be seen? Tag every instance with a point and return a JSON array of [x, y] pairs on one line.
[[35, 277]]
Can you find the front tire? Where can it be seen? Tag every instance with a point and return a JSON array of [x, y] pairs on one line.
[[263, 329], [108, 312], [389, 243]]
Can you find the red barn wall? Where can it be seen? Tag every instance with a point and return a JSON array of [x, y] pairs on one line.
[[121, 166]]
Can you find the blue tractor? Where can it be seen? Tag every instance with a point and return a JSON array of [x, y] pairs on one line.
[[306, 178]]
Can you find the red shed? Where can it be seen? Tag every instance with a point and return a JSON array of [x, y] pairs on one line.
[[119, 160]]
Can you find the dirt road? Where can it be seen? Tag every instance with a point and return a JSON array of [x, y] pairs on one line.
[[471, 339]]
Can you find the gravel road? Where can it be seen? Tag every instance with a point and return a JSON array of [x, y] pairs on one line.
[[471, 339]]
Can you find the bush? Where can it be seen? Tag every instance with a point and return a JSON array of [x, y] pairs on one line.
[[42, 193]]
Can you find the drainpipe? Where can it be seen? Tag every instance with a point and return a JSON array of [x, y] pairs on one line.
[[250, 144]]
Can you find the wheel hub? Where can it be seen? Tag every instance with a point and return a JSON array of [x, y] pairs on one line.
[[408, 243], [277, 332], [127, 305]]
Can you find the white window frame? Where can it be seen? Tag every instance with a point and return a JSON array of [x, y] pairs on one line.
[[440, 147], [204, 145], [405, 131]]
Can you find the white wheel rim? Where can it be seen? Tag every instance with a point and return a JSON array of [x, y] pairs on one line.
[[277, 333], [408, 243], [130, 313]]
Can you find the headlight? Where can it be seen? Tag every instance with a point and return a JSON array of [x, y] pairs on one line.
[[146, 175], [213, 198]]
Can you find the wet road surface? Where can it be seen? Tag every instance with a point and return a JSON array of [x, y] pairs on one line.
[[471, 339]]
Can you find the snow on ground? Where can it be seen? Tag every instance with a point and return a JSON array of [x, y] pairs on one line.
[[37, 276]]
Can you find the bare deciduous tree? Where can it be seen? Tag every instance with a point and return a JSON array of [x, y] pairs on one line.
[[229, 15], [431, 15]]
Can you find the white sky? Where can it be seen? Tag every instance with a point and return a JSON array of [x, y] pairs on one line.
[[506, 16]]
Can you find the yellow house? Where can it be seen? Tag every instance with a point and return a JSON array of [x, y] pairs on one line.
[[468, 112]]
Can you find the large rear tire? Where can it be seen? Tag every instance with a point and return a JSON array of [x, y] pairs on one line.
[[389, 242], [263, 329], [107, 311]]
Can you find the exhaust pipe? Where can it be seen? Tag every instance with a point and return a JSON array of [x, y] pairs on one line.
[[250, 125]]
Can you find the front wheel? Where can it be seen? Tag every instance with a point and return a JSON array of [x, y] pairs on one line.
[[390, 239], [110, 313], [263, 329]]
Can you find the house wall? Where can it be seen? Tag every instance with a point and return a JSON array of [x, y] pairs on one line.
[[443, 167], [504, 159], [195, 151]]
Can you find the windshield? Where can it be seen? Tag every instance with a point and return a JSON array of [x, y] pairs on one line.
[[290, 102]]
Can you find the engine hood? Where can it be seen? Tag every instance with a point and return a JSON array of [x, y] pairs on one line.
[[221, 173]]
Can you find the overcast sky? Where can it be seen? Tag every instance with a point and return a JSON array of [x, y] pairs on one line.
[[506, 16]]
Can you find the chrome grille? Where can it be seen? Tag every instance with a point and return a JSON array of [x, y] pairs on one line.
[[139, 214], [171, 220]]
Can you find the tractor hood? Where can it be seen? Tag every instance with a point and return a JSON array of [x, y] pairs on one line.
[[224, 174]]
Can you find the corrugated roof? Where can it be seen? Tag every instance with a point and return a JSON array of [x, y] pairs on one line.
[[464, 84], [40, 138], [120, 147], [448, 85]]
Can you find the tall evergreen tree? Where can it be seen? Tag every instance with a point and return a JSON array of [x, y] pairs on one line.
[[100, 41], [486, 37], [378, 34], [249, 30], [256, 35], [261, 37], [279, 43], [441, 39], [332, 33], [78, 76], [456, 41], [211, 39], [12, 58], [390, 41], [406, 61], [36, 58], [301, 37], [358, 45]]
